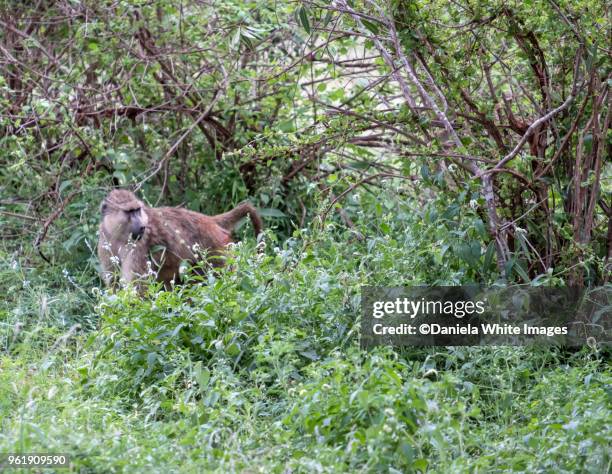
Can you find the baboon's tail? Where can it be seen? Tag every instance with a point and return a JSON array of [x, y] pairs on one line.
[[229, 219]]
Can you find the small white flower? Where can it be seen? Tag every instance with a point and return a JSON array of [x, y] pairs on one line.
[[473, 203], [67, 275]]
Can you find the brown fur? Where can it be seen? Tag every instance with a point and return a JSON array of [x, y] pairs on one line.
[[156, 240]]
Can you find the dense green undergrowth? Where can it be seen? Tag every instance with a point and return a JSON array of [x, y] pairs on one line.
[[259, 370]]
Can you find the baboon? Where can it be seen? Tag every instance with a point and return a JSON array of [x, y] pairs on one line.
[[141, 240]]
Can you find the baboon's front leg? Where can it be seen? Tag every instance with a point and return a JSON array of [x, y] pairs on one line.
[[134, 267]]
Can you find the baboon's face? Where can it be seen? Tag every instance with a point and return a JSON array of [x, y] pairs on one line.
[[124, 217]]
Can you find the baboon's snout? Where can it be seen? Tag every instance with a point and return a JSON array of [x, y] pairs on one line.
[[138, 232]]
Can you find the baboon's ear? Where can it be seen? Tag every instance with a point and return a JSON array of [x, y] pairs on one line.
[[103, 208]]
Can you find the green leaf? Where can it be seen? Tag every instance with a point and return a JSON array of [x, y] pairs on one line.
[[311, 354], [151, 358], [520, 271], [202, 375], [244, 39], [302, 14], [480, 228], [271, 212], [287, 125], [421, 464], [371, 26], [327, 18], [469, 252], [64, 185], [233, 349], [488, 259], [520, 237], [120, 175]]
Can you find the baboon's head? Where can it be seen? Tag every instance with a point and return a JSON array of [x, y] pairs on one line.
[[124, 216]]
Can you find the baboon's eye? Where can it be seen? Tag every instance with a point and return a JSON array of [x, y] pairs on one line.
[[104, 208]]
